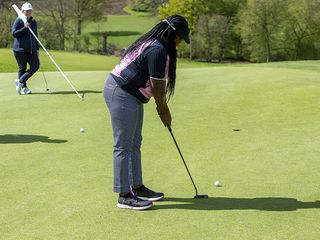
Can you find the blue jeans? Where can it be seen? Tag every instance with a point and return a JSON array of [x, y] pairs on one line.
[[22, 60], [126, 113]]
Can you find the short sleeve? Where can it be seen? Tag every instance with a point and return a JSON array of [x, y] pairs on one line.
[[156, 60]]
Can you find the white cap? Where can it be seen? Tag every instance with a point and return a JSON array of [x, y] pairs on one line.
[[26, 6]]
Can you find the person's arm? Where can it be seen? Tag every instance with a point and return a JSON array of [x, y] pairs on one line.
[[159, 94], [19, 30], [157, 59]]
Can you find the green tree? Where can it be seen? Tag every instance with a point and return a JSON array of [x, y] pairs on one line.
[[302, 28], [190, 9], [222, 16], [61, 21], [229, 9], [261, 28], [146, 5], [7, 17], [88, 10], [85, 11], [60, 13], [212, 37]]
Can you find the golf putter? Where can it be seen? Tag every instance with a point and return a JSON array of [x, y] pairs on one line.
[[194, 185]]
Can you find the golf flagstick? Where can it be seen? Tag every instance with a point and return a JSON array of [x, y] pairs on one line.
[[24, 19], [194, 185]]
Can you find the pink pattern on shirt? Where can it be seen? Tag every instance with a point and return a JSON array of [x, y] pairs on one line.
[[147, 91], [129, 58]]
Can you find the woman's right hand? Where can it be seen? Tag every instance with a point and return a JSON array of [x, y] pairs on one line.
[[26, 25], [165, 115]]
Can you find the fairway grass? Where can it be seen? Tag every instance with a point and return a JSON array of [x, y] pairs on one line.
[[56, 183], [74, 61]]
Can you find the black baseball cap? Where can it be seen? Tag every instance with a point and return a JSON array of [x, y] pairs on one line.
[[180, 25]]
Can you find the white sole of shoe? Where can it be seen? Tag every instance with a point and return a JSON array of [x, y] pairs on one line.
[[150, 199], [123, 206]]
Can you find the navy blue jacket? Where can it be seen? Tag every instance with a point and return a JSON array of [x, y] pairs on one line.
[[23, 39]]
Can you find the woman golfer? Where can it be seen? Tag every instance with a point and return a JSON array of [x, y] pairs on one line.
[[25, 48], [148, 68]]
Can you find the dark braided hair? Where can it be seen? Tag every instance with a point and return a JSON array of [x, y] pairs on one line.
[[165, 33]]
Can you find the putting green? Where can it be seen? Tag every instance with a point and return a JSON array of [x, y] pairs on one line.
[[56, 183]]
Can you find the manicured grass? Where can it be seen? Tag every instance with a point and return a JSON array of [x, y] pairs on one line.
[[68, 61], [72, 61], [303, 65], [56, 183]]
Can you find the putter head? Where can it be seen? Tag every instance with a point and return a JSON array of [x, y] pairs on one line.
[[201, 196]]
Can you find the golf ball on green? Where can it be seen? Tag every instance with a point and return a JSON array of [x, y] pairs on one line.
[[217, 184], [82, 130]]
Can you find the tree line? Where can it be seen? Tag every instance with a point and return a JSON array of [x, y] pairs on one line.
[[221, 30], [61, 21], [253, 30]]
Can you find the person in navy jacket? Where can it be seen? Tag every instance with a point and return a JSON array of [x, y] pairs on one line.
[[25, 48]]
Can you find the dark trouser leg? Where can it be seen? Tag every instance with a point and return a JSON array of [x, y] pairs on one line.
[[34, 63], [135, 169], [22, 60]]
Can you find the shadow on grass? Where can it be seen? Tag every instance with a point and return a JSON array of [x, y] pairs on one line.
[[16, 138], [222, 203], [66, 92]]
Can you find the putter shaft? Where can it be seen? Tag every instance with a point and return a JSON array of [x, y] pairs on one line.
[[194, 185]]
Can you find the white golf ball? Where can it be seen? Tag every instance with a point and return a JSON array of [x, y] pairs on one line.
[[82, 130], [217, 184]]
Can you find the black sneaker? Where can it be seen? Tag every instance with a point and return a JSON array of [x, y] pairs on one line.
[[145, 193], [129, 201]]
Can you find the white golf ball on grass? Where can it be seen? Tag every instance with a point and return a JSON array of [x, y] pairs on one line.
[[82, 130], [217, 184]]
